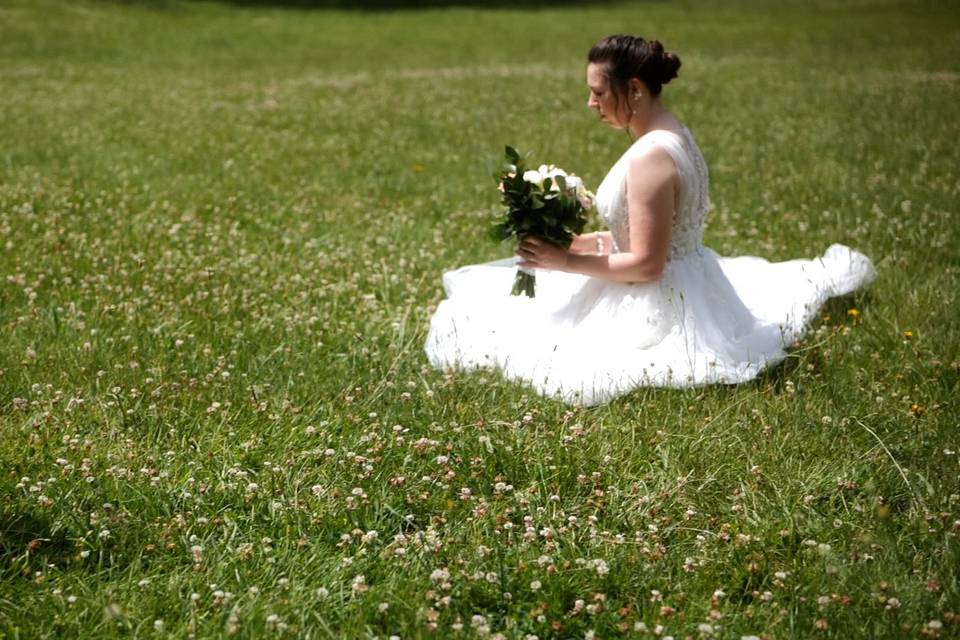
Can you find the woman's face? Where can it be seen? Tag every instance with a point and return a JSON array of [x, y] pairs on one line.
[[602, 99]]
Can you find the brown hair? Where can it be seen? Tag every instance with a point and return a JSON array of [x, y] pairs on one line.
[[626, 57]]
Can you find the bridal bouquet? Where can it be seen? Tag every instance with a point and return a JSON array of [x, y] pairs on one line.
[[546, 202]]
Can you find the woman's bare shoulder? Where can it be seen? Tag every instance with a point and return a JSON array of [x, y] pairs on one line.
[[651, 163]]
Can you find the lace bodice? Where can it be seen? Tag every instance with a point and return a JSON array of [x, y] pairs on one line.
[[693, 199]]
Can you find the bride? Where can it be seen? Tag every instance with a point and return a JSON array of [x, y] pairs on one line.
[[645, 303]]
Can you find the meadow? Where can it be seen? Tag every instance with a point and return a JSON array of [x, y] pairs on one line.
[[223, 231]]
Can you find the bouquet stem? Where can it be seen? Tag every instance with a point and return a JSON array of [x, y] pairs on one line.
[[524, 284]]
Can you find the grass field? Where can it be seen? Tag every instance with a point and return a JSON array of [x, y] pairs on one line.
[[223, 232]]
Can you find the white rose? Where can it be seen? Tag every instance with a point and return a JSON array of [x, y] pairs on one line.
[[554, 171], [533, 177]]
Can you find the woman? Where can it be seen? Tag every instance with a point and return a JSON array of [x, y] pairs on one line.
[[644, 303]]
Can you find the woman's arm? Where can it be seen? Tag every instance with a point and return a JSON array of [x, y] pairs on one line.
[[651, 180]]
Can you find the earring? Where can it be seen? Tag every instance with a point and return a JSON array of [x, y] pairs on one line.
[[637, 96]]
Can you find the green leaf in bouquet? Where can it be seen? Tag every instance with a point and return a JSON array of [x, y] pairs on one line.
[[512, 154]]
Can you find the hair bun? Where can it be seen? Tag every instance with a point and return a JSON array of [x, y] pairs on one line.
[[669, 66]]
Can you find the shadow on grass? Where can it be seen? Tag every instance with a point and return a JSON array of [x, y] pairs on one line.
[[28, 540], [836, 309], [385, 5]]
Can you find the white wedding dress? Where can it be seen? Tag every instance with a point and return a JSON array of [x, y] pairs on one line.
[[708, 319]]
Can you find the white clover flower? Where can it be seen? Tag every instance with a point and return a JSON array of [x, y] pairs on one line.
[[601, 567], [360, 584]]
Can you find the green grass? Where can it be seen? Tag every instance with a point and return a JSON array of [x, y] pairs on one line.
[[223, 232]]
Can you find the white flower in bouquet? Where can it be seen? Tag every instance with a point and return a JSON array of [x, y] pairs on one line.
[[533, 177]]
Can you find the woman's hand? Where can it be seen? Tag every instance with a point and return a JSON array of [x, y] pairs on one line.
[[540, 254]]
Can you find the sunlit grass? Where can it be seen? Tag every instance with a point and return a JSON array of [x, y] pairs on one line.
[[223, 233]]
